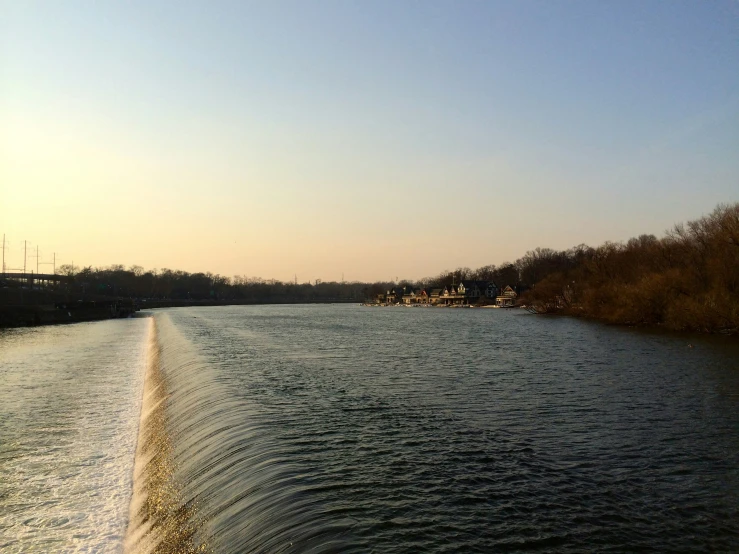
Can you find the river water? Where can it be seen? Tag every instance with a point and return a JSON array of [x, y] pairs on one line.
[[347, 429], [70, 398]]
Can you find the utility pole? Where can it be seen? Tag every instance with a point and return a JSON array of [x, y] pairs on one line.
[[24, 256], [50, 263], [3, 252], [37, 264]]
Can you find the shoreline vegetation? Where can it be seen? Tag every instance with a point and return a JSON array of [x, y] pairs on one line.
[[686, 281]]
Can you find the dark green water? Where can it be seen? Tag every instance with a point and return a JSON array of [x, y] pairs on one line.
[[347, 429]]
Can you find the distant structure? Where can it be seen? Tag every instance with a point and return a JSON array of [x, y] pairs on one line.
[[467, 292]]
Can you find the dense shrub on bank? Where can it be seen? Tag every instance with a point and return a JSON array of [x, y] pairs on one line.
[[688, 280]]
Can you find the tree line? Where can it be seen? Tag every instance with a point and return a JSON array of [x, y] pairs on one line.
[[168, 284], [688, 279]]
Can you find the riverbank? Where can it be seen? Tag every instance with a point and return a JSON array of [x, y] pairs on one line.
[[58, 313], [579, 313], [485, 306], [75, 311]]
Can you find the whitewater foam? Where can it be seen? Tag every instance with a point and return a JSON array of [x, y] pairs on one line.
[[69, 403]]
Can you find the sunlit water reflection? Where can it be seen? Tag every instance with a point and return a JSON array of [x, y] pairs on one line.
[[340, 429], [69, 412], [346, 429]]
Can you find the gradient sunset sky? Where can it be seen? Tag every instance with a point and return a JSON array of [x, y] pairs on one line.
[[374, 139]]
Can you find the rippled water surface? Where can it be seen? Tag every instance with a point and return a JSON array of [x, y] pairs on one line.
[[69, 412], [347, 429]]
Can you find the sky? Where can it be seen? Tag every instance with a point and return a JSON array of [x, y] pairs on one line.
[[369, 140]]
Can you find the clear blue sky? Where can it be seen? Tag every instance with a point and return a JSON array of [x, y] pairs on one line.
[[374, 139]]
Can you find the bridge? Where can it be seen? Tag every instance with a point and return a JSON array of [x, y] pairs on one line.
[[31, 278]]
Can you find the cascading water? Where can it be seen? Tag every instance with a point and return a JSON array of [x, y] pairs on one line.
[[342, 429], [208, 477], [69, 411], [337, 429], [160, 519]]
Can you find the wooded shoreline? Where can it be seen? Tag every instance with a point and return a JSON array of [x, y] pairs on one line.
[[686, 281]]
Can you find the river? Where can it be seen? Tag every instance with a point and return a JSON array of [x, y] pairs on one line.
[[337, 428]]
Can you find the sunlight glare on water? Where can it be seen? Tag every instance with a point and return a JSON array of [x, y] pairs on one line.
[[69, 412], [346, 429]]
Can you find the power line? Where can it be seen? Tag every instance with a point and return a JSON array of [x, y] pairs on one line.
[[7, 258], [50, 263], [37, 257]]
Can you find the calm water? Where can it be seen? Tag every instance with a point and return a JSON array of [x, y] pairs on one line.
[[348, 429]]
